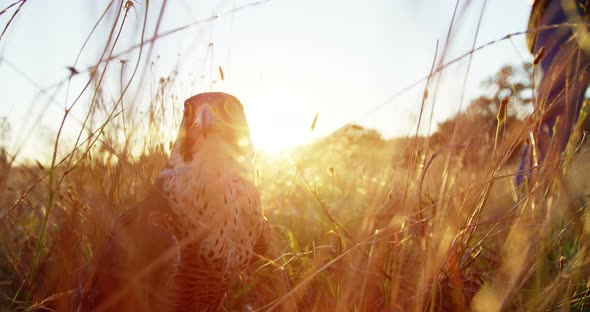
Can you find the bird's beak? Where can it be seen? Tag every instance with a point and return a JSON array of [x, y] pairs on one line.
[[205, 119]]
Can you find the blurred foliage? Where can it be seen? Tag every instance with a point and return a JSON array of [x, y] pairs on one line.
[[513, 82], [476, 127]]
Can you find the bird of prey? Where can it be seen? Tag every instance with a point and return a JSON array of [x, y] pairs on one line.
[[201, 224]]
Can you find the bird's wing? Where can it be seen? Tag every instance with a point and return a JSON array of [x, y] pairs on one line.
[[263, 241], [138, 259]]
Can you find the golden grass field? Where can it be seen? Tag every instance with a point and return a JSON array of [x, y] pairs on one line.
[[360, 223]]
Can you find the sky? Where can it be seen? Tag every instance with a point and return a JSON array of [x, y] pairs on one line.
[[285, 60]]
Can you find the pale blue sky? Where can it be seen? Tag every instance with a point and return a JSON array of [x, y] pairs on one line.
[[285, 60]]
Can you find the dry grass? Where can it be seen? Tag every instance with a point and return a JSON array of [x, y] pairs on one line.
[[359, 223], [351, 231]]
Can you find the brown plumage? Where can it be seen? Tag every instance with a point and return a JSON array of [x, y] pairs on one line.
[[200, 225]]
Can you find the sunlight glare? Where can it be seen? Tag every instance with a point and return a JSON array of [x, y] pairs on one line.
[[273, 130]]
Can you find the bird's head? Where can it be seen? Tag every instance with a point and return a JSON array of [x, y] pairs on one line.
[[214, 122]]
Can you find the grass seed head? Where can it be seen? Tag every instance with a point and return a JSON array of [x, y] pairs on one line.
[[539, 56]]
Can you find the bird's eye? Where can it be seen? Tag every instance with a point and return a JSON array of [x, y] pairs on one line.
[[187, 111]]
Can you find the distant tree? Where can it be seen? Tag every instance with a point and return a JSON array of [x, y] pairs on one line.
[[354, 133], [468, 127], [347, 144], [476, 126], [513, 82]]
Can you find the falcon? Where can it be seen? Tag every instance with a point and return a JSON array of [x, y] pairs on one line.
[[199, 226]]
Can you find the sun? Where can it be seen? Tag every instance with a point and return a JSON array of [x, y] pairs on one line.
[[274, 131]]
